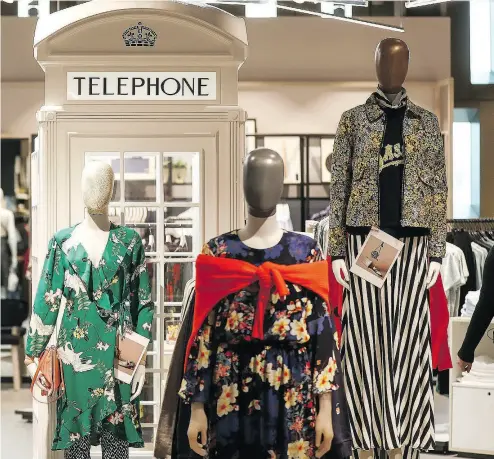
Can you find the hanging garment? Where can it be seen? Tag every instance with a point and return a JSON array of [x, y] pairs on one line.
[[463, 240], [386, 355], [112, 447], [101, 300], [5, 261], [261, 393], [335, 297], [454, 271], [480, 254], [439, 319]]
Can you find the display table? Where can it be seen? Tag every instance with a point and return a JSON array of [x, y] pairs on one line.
[[471, 404]]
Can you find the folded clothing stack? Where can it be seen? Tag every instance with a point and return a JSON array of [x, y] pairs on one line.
[[482, 372]]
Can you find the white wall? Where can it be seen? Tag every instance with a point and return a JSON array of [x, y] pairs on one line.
[[312, 108], [20, 102], [279, 108]]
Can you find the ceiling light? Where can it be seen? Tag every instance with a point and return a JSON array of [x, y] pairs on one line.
[[377, 25], [344, 19], [417, 3]]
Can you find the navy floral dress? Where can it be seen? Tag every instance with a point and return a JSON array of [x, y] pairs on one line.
[[261, 396]]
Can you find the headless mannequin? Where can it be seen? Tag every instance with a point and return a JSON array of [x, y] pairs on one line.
[[92, 233], [263, 176], [392, 57], [9, 231]]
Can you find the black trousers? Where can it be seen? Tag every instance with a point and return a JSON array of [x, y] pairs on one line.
[[112, 447]]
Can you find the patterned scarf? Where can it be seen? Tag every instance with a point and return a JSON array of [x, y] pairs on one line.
[[400, 100]]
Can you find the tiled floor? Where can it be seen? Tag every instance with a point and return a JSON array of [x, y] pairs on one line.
[[16, 434]]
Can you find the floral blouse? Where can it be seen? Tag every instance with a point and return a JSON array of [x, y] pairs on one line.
[[261, 395], [99, 301]]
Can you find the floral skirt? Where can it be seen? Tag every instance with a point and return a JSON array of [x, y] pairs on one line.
[[264, 405]]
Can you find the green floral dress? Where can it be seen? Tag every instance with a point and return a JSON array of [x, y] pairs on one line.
[[100, 301]]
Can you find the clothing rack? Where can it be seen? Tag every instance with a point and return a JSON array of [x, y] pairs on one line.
[[475, 224], [471, 220]]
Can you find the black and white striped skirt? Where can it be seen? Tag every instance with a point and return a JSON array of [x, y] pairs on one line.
[[387, 355]]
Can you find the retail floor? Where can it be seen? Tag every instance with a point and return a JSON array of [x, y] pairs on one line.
[[16, 434]]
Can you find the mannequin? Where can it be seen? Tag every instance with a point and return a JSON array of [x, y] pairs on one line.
[[93, 236], [263, 185], [392, 58], [407, 199], [263, 177], [9, 244]]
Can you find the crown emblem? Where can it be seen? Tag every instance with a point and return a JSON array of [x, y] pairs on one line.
[[139, 35]]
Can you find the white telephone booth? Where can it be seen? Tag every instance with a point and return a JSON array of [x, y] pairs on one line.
[[151, 87]]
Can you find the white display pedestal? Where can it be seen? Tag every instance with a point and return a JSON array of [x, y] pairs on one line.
[[471, 406], [151, 87]]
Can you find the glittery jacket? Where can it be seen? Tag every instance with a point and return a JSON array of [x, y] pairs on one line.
[[355, 174]]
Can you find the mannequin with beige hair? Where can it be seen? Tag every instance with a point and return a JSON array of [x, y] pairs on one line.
[[97, 243]]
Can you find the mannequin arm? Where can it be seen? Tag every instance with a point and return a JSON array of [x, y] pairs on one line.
[[341, 273], [198, 429], [433, 273], [138, 381], [324, 425], [142, 306]]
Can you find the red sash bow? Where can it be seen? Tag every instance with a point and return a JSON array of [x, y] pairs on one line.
[[216, 278]]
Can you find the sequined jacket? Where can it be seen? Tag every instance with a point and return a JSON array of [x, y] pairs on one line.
[[354, 190]]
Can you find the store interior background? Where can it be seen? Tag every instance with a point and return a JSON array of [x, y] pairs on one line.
[[292, 84]]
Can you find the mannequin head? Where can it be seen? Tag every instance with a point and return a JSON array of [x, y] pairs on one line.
[[264, 173], [97, 186], [392, 57]]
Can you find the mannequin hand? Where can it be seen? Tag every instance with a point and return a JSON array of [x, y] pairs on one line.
[[341, 273], [40, 381], [138, 381], [198, 426], [434, 270], [324, 427]]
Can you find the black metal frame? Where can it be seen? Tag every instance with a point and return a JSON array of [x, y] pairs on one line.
[[304, 186]]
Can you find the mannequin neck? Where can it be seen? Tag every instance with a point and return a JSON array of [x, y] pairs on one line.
[[98, 220], [261, 233]]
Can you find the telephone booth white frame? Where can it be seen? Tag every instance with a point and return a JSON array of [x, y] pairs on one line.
[[207, 135]]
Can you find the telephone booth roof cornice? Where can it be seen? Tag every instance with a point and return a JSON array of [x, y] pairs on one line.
[[205, 15]]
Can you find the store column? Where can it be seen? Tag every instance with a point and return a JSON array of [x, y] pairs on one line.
[[151, 87]]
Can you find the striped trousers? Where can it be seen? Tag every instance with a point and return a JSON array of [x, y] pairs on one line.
[[386, 355]]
